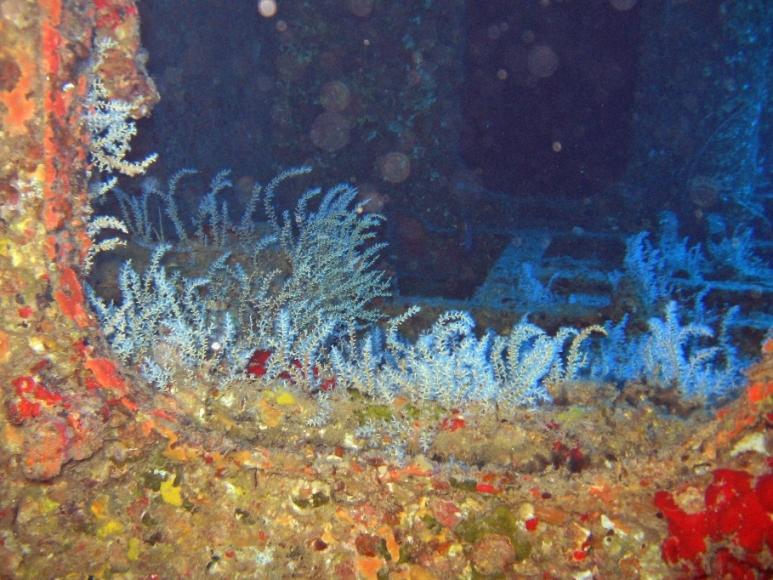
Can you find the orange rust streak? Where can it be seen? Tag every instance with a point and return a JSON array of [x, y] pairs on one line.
[[369, 566], [52, 9], [55, 209], [51, 247], [51, 39], [70, 298], [129, 405], [84, 242], [5, 346], [20, 108], [106, 374], [759, 391]]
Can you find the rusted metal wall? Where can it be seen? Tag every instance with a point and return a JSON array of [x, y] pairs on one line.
[[60, 394], [699, 117]]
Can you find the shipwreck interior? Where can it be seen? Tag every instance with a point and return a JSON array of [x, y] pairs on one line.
[[374, 289]]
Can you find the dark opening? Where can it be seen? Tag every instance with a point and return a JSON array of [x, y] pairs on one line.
[[549, 94]]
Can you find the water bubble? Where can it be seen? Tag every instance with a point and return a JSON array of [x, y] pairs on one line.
[[330, 131], [395, 167], [335, 96], [267, 8], [361, 8], [542, 61], [622, 5]]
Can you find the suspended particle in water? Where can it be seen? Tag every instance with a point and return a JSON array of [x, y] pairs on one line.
[[542, 61], [330, 131], [395, 167], [335, 96], [622, 5], [267, 8], [361, 8]]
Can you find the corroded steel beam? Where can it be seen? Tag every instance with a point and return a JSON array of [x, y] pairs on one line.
[[60, 393]]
